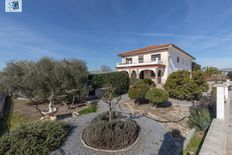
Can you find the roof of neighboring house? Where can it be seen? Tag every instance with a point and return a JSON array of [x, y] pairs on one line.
[[150, 48]]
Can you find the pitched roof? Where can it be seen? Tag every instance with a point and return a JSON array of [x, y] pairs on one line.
[[151, 48]]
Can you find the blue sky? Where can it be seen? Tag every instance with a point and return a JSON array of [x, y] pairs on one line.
[[97, 30]]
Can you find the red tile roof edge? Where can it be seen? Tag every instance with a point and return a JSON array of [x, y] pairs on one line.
[[153, 47]]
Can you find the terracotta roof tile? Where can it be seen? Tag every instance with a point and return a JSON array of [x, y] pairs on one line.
[[149, 48]]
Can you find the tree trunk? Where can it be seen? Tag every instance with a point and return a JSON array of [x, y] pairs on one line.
[[110, 112], [73, 99]]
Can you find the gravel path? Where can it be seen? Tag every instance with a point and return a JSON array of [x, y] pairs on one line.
[[153, 139]]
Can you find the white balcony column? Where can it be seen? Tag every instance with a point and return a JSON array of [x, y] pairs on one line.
[[137, 74], [156, 74], [220, 100], [157, 60]]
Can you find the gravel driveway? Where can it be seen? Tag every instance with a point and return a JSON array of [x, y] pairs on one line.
[[153, 139]]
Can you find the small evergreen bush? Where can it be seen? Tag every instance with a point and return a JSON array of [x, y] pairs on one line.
[[138, 91], [133, 81], [37, 138], [200, 118], [156, 96], [149, 82], [181, 86]]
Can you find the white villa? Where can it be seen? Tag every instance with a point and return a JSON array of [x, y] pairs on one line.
[[155, 62]]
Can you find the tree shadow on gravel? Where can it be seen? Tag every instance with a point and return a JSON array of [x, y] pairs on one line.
[[169, 147]]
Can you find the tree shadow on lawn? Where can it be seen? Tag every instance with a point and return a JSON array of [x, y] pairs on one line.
[[7, 114], [169, 147]]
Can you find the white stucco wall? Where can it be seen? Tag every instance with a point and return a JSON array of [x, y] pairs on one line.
[[168, 58], [185, 60]]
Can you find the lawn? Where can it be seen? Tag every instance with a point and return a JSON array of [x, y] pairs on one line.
[[195, 144], [90, 109]]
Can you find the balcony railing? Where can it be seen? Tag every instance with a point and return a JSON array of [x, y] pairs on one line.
[[129, 64]]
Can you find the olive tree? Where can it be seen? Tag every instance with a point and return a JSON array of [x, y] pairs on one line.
[[39, 80]]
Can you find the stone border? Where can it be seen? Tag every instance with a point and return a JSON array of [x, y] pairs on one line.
[[110, 151]]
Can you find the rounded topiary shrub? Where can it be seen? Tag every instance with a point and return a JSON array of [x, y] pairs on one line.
[[149, 82], [116, 134], [138, 91], [157, 96]]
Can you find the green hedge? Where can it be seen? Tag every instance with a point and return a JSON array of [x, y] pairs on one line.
[[37, 138], [118, 80]]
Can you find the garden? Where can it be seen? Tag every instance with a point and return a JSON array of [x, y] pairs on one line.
[[57, 105], [179, 106]]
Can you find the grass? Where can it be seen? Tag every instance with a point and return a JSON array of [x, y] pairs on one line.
[[90, 109], [195, 144]]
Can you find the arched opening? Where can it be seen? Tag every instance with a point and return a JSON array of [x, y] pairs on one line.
[[133, 74], [147, 74], [159, 76], [159, 73]]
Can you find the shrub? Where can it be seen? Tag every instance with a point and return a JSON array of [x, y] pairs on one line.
[[156, 96], [149, 82], [199, 79], [179, 85], [118, 80], [138, 91], [133, 81], [200, 118], [37, 138], [111, 135]]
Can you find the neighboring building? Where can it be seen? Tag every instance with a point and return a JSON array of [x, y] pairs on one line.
[[155, 62]]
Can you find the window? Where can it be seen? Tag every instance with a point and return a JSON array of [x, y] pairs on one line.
[[155, 56], [140, 59], [128, 60], [178, 59]]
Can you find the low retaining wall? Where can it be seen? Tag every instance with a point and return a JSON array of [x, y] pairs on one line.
[[215, 140]]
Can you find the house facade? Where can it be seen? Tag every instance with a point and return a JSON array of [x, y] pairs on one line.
[[155, 62]]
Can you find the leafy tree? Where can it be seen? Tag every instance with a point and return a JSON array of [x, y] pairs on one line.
[[105, 69], [195, 66], [38, 80], [209, 71]]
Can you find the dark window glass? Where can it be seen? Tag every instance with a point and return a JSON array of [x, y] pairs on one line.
[[141, 59], [128, 60], [178, 59], [154, 56]]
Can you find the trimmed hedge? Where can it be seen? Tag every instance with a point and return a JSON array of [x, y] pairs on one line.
[[156, 96], [118, 80], [37, 138]]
